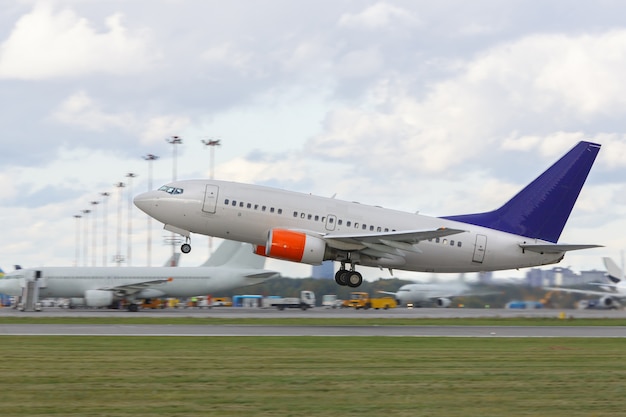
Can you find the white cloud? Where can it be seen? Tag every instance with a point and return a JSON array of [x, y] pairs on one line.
[[47, 44], [81, 110], [377, 16]]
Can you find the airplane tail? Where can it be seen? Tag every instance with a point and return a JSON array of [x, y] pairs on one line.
[[614, 272], [173, 261], [542, 208], [224, 252], [246, 258]]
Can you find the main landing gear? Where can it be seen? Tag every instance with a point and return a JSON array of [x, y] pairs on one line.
[[350, 278]]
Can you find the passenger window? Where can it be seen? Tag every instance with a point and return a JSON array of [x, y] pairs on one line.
[[302, 215], [280, 211], [379, 229], [271, 209], [459, 244], [241, 204], [226, 201], [339, 222], [295, 214], [437, 240], [317, 217], [348, 223], [256, 206], [452, 243], [263, 208], [364, 227], [249, 205], [234, 203], [356, 225], [309, 217]]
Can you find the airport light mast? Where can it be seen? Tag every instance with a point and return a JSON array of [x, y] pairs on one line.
[[118, 255], [104, 228], [174, 140], [211, 144], [77, 251], [94, 233], [86, 242], [150, 158], [129, 240]]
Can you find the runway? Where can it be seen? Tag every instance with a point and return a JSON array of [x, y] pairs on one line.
[[320, 312], [321, 330]]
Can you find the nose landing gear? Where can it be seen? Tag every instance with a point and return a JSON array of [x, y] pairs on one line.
[[186, 247]]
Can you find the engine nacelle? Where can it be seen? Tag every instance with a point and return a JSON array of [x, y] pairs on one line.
[[443, 302], [98, 298], [293, 246], [607, 302]]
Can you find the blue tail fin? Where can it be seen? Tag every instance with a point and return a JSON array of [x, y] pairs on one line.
[[542, 208]]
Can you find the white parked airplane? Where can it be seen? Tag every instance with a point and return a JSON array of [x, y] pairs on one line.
[[233, 265], [615, 291], [310, 229], [441, 293]]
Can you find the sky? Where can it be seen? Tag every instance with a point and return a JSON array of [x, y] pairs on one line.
[[444, 107]]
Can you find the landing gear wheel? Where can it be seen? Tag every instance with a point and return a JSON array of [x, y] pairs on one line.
[[133, 308], [185, 248], [354, 279], [341, 277]]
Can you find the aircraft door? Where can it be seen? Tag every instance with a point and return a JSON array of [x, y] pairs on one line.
[[210, 198], [480, 248], [331, 221], [42, 282]]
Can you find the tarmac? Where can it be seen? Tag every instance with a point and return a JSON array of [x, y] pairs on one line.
[[321, 330]]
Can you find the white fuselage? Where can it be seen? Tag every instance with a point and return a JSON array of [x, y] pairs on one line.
[[417, 293], [247, 213], [68, 282]]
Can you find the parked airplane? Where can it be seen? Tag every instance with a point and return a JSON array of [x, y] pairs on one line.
[[310, 229], [615, 291], [441, 293], [233, 265]]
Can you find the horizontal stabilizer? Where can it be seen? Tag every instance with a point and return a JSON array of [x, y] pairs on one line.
[[556, 248], [263, 275]]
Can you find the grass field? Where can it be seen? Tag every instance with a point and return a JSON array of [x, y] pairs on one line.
[[310, 376]]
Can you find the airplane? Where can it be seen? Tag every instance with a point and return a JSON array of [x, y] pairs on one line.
[[441, 293], [310, 229], [233, 265], [616, 290]]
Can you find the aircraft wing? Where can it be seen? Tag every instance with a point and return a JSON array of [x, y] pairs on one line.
[[387, 243], [136, 286], [589, 292]]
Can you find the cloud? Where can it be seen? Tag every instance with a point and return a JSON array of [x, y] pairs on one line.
[[49, 44], [543, 92], [82, 111], [378, 16]]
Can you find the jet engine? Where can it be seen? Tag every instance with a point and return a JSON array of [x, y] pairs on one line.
[[98, 298], [293, 246], [607, 302], [443, 302]]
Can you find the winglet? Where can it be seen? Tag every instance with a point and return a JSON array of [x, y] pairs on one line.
[[542, 208]]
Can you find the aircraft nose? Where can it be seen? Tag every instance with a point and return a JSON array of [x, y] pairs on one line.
[[146, 202]]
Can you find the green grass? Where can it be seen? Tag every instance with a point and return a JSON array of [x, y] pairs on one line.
[[310, 376]]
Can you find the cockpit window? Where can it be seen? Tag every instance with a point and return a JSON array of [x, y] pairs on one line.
[[171, 190]]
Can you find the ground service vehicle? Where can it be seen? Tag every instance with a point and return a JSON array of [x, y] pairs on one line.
[[362, 300], [305, 301]]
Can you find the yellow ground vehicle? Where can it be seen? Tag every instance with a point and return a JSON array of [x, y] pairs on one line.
[[153, 303], [222, 302], [362, 300]]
